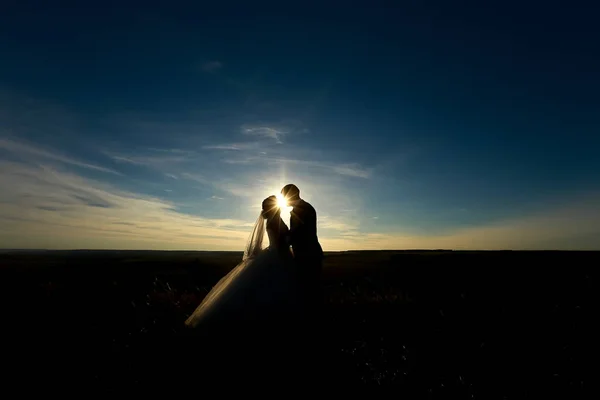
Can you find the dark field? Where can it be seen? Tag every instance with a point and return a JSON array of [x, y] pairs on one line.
[[422, 324]]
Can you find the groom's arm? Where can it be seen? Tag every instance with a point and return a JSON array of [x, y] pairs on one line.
[[295, 223], [307, 217], [291, 235]]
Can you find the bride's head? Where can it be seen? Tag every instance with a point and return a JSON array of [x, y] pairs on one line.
[[270, 207]]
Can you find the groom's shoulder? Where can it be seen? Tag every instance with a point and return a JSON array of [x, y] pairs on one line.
[[308, 206]]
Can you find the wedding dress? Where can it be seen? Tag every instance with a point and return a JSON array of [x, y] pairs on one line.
[[261, 287]]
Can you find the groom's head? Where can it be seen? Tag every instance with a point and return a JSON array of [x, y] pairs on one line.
[[291, 193]]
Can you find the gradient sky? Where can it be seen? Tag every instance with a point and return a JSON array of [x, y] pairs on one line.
[[428, 125]]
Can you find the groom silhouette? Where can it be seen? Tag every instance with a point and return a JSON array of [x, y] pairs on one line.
[[308, 257], [303, 239]]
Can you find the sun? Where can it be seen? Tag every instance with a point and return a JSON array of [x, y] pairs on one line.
[[281, 201], [284, 208]]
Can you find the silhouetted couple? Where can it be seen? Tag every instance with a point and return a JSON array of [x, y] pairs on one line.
[[272, 285], [301, 236], [259, 321]]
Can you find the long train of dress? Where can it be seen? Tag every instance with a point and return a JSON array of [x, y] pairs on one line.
[[259, 288]]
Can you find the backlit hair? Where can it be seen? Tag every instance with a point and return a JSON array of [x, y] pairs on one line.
[[290, 191]]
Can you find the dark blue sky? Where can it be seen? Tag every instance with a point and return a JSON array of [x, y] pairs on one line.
[[428, 124]]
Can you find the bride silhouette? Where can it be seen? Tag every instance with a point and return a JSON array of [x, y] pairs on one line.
[[262, 288]]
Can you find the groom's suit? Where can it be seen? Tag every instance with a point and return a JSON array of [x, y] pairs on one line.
[[304, 240], [308, 255]]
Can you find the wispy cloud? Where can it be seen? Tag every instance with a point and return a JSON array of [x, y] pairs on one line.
[[196, 167], [212, 66], [347, 169], [575, 226], [247, 153], [153, 159], [353, 170], [339, 225], [25, 150], [169, 150], [233, 146], [265, 131], [50, 208], [47, 207], [231, 187]]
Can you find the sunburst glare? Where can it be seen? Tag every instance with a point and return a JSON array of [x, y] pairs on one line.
[[285, 209], [281, 202]]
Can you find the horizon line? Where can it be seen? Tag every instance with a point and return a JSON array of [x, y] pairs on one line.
[[325, 251]]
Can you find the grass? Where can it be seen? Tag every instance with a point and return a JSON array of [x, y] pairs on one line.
[[424, 324]]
